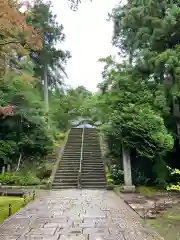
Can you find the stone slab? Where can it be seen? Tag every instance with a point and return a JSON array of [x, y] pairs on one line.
[[128, 189]]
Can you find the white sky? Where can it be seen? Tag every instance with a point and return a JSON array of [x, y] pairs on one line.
[[88, 38]]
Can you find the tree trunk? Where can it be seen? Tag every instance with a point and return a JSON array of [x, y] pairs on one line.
[[46, 97]]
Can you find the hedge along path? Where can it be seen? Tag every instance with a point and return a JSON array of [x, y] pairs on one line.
[[75, 214]]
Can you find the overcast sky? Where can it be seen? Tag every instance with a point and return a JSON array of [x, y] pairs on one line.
[[88, 38]]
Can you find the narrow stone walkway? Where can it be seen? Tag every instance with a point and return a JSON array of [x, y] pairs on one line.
[[75, 215]]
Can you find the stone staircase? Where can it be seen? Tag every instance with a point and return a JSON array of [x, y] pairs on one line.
[[93, 173], [67, 173]]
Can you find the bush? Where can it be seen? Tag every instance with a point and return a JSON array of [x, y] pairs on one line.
[[8, 178], [174, 187], [44, 171], [18, 179], [108, 176], [117, 174]]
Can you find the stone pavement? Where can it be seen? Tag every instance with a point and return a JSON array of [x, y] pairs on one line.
[[75, 215]]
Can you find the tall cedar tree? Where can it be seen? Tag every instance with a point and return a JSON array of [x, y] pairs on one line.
[[41, 17]]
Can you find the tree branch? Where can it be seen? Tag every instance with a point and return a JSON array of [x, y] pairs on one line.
[[6, 43]]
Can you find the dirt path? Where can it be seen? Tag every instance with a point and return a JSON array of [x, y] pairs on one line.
[[75, 215]]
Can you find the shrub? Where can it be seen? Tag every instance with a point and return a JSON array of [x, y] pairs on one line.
[[9, 178], [117, 174], [18, 179], [174, 187], [44, 171]]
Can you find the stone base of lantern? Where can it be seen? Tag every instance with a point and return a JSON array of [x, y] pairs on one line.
[[128, 189]]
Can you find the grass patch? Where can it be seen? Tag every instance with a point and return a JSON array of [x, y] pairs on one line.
[[16, 203], [146, 191], [168, 223]]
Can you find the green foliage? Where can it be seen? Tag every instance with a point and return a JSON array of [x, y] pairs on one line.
[[26, 131], [117, 174], [44, 171], [146, 191], [133, 117], [18, 179], [173, 187]]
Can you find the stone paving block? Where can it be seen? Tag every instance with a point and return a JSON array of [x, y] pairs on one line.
[[70, 231], [43, 231], [99, 237], [58, 219], [7, 237], [73, 237], [52, 225], [9, 231], [87, 225], [39, 237], [103, 232]]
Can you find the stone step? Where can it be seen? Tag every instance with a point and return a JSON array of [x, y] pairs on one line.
[[90, 137], [75, 169], [69, 166], [72, 176], [70, 170], [102, 183], [55, 188], [65, 184], [91, 169], [95, 180], [89, 162], [66, 170], [94, 168], [92, 157], [93, 174], [71, 153], [90, 151], [94, 165], [94, 148], [88, 134], [66, 173], [62, 181], [74, 144], [64, 164], [73, 148], [66, 176], [92, 160], [93, 187], [71, 156], [70, 161], [78, 138], [91, 141]]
